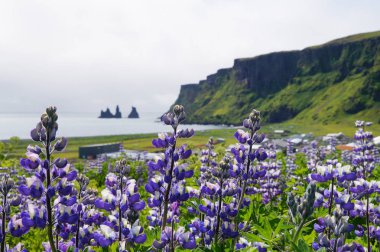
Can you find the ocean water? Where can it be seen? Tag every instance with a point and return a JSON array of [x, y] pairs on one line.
[[87, 124]]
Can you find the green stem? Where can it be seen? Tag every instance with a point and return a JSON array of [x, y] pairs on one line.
[[120, 217], [367, 209], [3, 224], [78, 222], [202, 241], [167, 192], [218, 216], [367, 222], [295, 238], [172, 234], [48, 200], [335, 244], [241, 197], [331, 203], [201, 215], [56, 239]]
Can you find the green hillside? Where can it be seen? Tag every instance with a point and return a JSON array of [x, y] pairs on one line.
[[334, 83]]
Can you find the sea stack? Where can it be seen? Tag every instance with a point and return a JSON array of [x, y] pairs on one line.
[[133, 113], [107, 113], [118, 113]]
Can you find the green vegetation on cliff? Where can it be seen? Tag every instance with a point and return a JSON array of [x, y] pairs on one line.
[[334, 83]]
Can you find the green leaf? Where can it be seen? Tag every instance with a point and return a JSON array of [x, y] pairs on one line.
[[268, 229], [303, 246], [262, 231], [70, 249], [247, 215], [252, 237], [278, 228]]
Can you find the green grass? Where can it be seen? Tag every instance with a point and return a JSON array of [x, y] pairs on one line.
[[143, 142], [354, 38]]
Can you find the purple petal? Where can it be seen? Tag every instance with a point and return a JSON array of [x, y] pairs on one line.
[[138, 206], [140, 238]]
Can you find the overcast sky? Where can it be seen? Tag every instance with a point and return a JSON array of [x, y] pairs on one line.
[[85, 55]]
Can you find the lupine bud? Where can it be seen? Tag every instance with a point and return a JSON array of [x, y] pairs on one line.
[[178, 109]]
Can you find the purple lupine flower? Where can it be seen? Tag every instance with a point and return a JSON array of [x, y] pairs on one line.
[[32, 161], [167, 184], [181, 172], [164, 240], [35, 217], [33, 187], [163, 141], [243, 243], [7, 186], [241, 136], [136, 234], [60, 145], [239, 152], [131, 199], [50, 177], [67, 214], [16, 227], [269, 183], [260, 154], [18, 248], [336, 225], [361, 186], [359, 231], [345, 202], [122, 199], [104, 236], [93, 217], [107, 202], [154, 218], [185, 239], [186, 133], [319, 226]]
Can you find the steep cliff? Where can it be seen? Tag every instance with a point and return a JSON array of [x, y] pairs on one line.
[[326, 83]]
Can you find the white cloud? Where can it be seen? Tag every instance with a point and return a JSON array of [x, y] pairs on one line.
[[87, 55]]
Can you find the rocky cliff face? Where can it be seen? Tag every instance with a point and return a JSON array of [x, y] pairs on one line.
[[321, 83]]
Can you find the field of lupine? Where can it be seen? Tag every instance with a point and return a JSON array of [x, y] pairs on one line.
[[244, 199]]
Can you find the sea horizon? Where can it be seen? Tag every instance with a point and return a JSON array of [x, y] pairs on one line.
[[87, 124]]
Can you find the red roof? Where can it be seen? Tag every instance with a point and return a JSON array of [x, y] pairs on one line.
[[344, 147]]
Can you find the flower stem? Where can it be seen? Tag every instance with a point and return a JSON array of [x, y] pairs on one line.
[[48, 200], [331, 203], [331, 196], [367, 198], [241, 197], [247, 171], [201, 215], [77, 232], [335, 244], [201, 219], [219, 210], [56, 239], [367, 222], [121, 196], [78, 222], [172, 236], [3, 224], [296, 235], [166, 199]]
